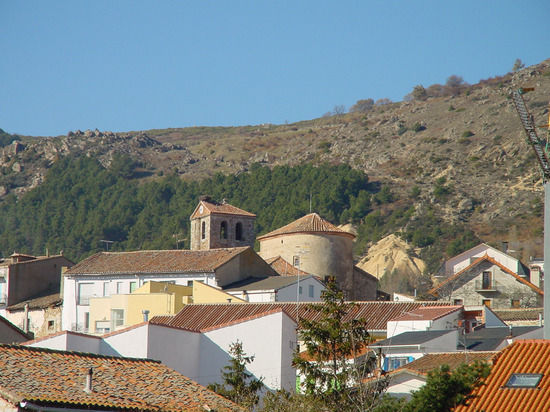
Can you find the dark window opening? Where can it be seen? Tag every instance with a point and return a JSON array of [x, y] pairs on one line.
[[486, 283], [223, 230], [203, 230], [239, 231]]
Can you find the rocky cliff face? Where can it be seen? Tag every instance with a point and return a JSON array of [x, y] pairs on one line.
[[472, 145]]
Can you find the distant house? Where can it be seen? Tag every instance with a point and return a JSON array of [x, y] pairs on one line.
[[406, 347], [488, 282], [24, 277], [109, 273], [40, 315], [427, 318], [465, 259], [412, 376], [36, 379], [519, 380], [278, 289]]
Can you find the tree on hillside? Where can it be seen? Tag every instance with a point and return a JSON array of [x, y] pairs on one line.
[[334, 365], [518, 65], [362, 106], [239, 384]]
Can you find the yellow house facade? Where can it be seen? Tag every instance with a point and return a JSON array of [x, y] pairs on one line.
[[115, 312]]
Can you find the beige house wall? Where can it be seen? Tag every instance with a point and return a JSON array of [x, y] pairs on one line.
[[319, 254], [42, 322], [207, 294]]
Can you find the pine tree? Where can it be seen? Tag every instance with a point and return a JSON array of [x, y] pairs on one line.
[[239, 384], [334, 345]]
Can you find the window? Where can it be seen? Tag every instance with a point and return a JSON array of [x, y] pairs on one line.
[[524, 380], [117, 318], [203, 230], [106, 291], [300, 290], [119, 286], [51, 325], [133, 286], [486, 282], [391, 363], [296, 261], [515, 303], [486, 302], [223, 230], [190, 283], [102, 326], [239, 231], [311, 290], [458, 302], [85, 293], [86, 321]]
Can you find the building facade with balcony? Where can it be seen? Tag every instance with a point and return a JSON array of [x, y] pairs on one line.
[[488, 282]]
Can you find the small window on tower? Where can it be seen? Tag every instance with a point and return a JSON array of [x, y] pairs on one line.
[[223, 230], [239, 231], [203, 230]]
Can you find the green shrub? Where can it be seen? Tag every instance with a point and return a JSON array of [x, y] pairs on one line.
[[467, 133]]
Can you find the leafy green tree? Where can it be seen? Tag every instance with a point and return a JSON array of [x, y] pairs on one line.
[[239, 384], [445, 389], [333, 344]]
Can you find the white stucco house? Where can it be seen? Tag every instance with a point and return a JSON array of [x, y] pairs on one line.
[[201, 351], [109, 273], [426, 318], [278, 289], [465, 259]]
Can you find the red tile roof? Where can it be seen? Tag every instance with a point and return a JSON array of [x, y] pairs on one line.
[[431, 361], [155, 261], [484, 258], [284, 268], [428, 313], [522, 356], [519, 315], [55, 378], [40, 302], [203, 316], [312, 223], [216, 208]]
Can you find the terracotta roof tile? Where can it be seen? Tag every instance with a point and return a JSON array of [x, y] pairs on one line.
[[522, 356], [202, 316], [515, 315], [216, 208], [55, 378], [155, 261], [312, 223], [484, 258], [39, 302], [432, 361], [428, 313]]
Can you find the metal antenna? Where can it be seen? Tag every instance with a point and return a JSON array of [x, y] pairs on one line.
[[107, 242]]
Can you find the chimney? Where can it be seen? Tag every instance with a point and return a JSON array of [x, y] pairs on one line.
[[145, 315], [229, 300], [505, 247], [26, 319], [89, 387]]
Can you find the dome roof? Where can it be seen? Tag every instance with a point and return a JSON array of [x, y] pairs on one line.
[[312, 224]]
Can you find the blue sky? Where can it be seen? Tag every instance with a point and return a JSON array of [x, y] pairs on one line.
[[138, 65]]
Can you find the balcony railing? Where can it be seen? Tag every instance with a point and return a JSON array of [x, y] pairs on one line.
[[84, 300], [486, 286]]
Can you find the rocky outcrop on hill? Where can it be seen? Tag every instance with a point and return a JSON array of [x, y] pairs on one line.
[[463, 155]]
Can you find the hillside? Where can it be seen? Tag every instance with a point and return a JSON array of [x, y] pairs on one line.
[[463, 157]]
